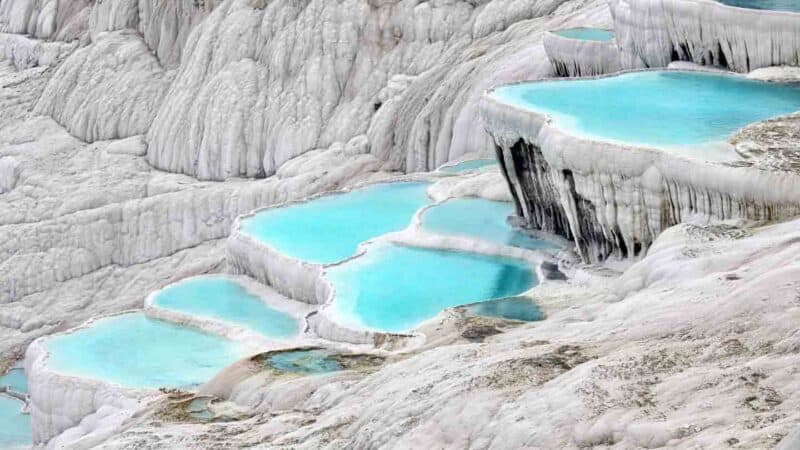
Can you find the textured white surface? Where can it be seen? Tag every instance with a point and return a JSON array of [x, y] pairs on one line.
[[656, 32], [578, 57], [614, 199]]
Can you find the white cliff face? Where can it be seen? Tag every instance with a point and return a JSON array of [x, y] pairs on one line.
[[260, 85], [63, 20], [655, 32], [108, 90]]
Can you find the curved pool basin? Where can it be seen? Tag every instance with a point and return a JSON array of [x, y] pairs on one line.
[[514, 308], [479, 219], [586, 34], [15, 380], [221, 298], [655, 108], [330, 228], [769, 5], [15, 427], [394, 288], [306, 362], [135, 351], [469, 165]]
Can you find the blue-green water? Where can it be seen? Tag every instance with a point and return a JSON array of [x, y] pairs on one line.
[[329, 229], [516, 308], [773, 5], [658, 108], [15, 427], [481, 219], [133, 350], [395, 288], [304, 361], [466, 166], [16, 380], [586, 34], [221, 298]]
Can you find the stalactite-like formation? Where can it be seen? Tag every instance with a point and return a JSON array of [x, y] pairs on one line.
[[654, 33]]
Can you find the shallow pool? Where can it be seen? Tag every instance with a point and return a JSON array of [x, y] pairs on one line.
[[481, 219], [469, 165], [304, 362], [774, 5], [657, 108], [515, 308], [221, 298], [586, 34], [395, 288], [133, 350], [15, 379], [330, 228], [15, 427]]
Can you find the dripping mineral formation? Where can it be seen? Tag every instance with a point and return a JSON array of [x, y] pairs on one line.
[[399, 224]]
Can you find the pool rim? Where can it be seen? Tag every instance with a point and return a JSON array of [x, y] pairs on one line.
[[41, 359], [547, 119], [752, 10], [554, 34], [297, 310]]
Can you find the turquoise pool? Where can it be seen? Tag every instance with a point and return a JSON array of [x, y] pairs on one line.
[[304, 362], [135, 351], [773, 5], [395, 288], [586, 34], [16, 380], [656, 108], [15, 427], [221, 298], [469, 165], [481, 219], [329, 229], [515, 308]]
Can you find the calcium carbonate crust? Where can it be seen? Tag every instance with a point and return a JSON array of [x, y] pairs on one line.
[[59, 402], [653, 33], [615, 199], [305, 281], [580, 57], [236, 333]]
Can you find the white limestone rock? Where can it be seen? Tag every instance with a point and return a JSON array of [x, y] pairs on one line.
[[9, 173], [779, 74], [26, 52], [579, 57], [134, 146], [613, 199], [108, 90], [264, 74], [63, 20], [653, 33]]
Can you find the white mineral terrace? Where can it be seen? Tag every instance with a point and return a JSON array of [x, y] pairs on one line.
[[653, 33], [577, 262], [56, 408], [581, 57], [614, 199]]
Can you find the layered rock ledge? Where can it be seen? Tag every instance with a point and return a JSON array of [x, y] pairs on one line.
[[653, 33], [578, 57], [614, 199]]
